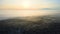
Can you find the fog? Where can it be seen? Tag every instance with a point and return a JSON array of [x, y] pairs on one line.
[[5, 14]]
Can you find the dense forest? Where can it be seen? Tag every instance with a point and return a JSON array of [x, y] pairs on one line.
[[31, 25]]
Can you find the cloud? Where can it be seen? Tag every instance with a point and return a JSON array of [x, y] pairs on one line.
[[50, 9]]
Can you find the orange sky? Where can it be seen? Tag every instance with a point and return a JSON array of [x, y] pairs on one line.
[[29, 4], [22, 7]]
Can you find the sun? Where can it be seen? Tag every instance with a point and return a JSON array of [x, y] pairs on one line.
[[26, 4]]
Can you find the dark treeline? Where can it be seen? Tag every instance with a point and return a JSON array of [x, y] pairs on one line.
[[43, 25]]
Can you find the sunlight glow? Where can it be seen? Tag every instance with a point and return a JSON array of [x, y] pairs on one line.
[[26, 4]]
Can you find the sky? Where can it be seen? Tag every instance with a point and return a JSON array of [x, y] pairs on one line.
[[29, 4]]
